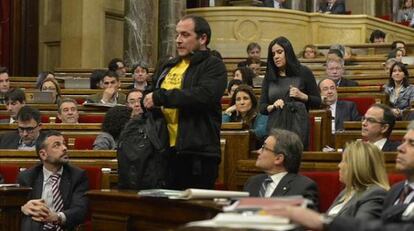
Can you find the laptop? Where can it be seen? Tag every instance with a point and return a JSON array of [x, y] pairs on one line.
[[409, 60], [77, 83], [39, 97]]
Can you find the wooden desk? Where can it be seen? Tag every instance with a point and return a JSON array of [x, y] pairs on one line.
[[125, 210], [11, 199]]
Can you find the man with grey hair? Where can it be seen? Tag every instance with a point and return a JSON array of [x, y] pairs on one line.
[[280, 158], [335, 70]]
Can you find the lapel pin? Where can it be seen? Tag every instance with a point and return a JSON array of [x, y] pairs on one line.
[[284, 188]]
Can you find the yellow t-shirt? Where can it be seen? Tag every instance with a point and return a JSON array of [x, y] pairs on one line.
[[173, 80]]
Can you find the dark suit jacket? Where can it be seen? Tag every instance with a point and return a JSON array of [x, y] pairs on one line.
[[390, 146], [337, 8], [9, 140], [270, 3], [347, 83], [366, 205], [345, 111], [390, 218], [290, 185], [73, 186], [96, 98]]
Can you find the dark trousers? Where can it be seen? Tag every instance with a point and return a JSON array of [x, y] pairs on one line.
[[192, 171]]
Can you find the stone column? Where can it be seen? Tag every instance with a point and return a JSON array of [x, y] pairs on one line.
[[170, 12], [141, 34]]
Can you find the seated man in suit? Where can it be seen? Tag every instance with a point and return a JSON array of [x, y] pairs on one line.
[[14, 100], [280, 158], [68, 111], [110, 94], [377, 125], [4, 83], [28, 131], [398, 209], [57, 200], [332, 7], [341, 110], [278, 4], [335, 71]]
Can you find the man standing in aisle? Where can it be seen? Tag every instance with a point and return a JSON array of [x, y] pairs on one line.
[[188, 90]]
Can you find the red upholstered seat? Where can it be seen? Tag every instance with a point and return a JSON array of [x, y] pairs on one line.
[[91, 118], [84, 143], [9, 173], [94, 176], [44, 119], [395, 178], [363, 103], [329, 187]]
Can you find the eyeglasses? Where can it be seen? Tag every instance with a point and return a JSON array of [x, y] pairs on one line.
[[372, 120], [266, 148], [27, 129]]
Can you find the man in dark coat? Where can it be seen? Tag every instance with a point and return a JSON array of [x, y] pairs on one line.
[[188, 89]]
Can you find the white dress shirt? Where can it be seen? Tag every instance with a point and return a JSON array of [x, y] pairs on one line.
[[380, 143], [276, 178], [47, 194]]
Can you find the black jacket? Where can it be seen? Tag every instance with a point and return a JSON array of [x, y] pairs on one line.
[[198, 102]]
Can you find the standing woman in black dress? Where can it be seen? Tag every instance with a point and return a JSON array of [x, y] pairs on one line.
[[286, 80]]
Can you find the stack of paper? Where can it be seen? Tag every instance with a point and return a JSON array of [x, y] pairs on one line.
[[192, 193]]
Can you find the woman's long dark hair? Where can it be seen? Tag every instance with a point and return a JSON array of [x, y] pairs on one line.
[[247, 75], [405, 81], [292, 63], [251, 114]]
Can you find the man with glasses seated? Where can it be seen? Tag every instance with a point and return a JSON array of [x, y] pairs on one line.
[[280, 158], [28, 131], [134, 98], [335, 69], [377, 125]]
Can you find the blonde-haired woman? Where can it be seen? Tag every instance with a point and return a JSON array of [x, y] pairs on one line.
[[362, 170]]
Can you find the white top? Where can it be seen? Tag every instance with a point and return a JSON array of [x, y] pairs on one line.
[[276, 178], [276, 4], [332, 107], [335, 210], [380, 143]]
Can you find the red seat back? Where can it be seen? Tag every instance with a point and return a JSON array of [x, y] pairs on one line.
[[395, 178], [329, 187], [311, 145], [94, 176], [362, 103], [9, 173]]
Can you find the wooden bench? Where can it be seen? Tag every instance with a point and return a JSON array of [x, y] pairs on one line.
[[342, 137]]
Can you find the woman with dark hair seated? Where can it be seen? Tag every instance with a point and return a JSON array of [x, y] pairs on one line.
[[399, 89], [51, 85], [244, 108], [245, 74], [232, 86], [114, 121]]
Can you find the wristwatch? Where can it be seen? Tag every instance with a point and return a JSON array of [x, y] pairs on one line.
[[60, 219], [326, 221]]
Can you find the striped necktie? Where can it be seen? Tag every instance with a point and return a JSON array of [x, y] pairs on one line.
[[57, 202], [263, 187], [404, 193]]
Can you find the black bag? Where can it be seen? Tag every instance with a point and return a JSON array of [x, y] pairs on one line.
[[293, 117], [142, 153]]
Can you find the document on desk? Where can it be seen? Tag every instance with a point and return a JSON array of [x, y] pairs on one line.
[[192, 193], [249, 221], [9, 185], [260, 203]]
